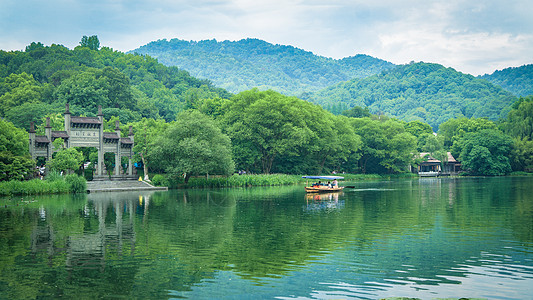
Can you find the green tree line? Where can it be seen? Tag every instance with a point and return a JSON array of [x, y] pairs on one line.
[[248, 63], [426, 92], [185, 127]]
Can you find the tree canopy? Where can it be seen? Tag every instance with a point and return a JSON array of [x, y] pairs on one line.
[[249, 63], [426, 92], [15, 162], [192, 145]]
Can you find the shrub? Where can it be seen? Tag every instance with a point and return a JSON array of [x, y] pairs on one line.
[[53, 175], [76, 184], [160, 180]]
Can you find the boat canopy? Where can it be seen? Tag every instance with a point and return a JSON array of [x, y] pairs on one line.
[[323, 177]]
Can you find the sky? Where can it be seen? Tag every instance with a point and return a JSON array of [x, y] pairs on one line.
[[471, 36]]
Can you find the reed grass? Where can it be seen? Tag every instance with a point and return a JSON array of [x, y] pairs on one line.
[[55, 185], [238, 181]]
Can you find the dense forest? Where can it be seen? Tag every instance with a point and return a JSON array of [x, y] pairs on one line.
[[426, 92], [41, 79], [518, 81], [186, 126], [248, 63]]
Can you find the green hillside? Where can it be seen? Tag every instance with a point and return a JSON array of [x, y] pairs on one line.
[[518, 81], [41, 79], [427, 92], [248, 63]]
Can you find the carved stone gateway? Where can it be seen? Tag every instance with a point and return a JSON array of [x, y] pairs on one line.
[[86, 132]]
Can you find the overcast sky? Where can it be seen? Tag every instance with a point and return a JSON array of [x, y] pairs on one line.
[[471, 36]]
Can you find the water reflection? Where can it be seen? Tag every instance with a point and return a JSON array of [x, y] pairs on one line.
[[419, 238], [323, 202]]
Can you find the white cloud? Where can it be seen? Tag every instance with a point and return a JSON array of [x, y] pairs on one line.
[[471, 36]]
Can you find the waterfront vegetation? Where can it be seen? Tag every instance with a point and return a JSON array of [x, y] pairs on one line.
[[185, 128], [54, 184], [251, 180]]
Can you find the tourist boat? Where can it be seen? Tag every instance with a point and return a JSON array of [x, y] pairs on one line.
[[320, 187]]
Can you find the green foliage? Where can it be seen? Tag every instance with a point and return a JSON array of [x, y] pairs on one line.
[[21, 116], [519, 122], [66, 159], [518, 81], [15, 162], [87, 78], [76, 184], [160, 180], [192, 145], [357, 112], [454, 129], [244, 181], [245, 64], [485, 152], [387, 147], [426, 92], [273, 132], [522, 155], [90, 42], [33, 187]]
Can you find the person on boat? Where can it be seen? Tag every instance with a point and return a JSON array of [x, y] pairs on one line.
[[335, 183], [329, 184]]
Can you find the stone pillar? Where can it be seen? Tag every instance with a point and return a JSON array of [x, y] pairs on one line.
[[130, 162], [48, 133], [32, 140], [67, 123], [101, 164], [117, 153]]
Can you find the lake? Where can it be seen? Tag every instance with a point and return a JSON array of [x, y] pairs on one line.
[[425, 238]]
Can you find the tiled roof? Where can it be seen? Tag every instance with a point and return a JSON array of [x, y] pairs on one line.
[[60, 134], [451, 158], [85, 120], [111, 135], [41, 139], [126, 141]]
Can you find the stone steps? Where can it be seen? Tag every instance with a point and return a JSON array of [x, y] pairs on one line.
[[120, 186]]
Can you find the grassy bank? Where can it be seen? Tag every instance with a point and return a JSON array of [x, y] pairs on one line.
[[231, 181], [259, 180], [52, 185]]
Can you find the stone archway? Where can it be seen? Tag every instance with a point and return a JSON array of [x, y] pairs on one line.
[[86, 132]]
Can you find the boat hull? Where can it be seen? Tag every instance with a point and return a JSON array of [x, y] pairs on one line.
[[323, 189]]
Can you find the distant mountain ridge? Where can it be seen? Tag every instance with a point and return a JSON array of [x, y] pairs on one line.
[[248, 63], [518, 81], [421, 91]]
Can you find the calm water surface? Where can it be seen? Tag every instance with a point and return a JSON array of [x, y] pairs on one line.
[[424, 238]]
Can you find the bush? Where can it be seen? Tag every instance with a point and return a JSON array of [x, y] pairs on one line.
[[160, 180], [76, 184]]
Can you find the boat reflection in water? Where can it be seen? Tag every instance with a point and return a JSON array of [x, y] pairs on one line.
[[327, 202]]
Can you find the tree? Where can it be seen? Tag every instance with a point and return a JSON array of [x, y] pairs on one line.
[[486, 152], [357, 112], [15, 162], [66, 160], [90, 42], [265, 125], [453, 130], [387, 148], [145, 132], [192, 145], [18, 89], [519, 121]]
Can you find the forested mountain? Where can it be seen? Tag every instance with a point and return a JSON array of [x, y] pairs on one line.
[[41, 79], [518, 81], [248, 63], [427, 92]]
